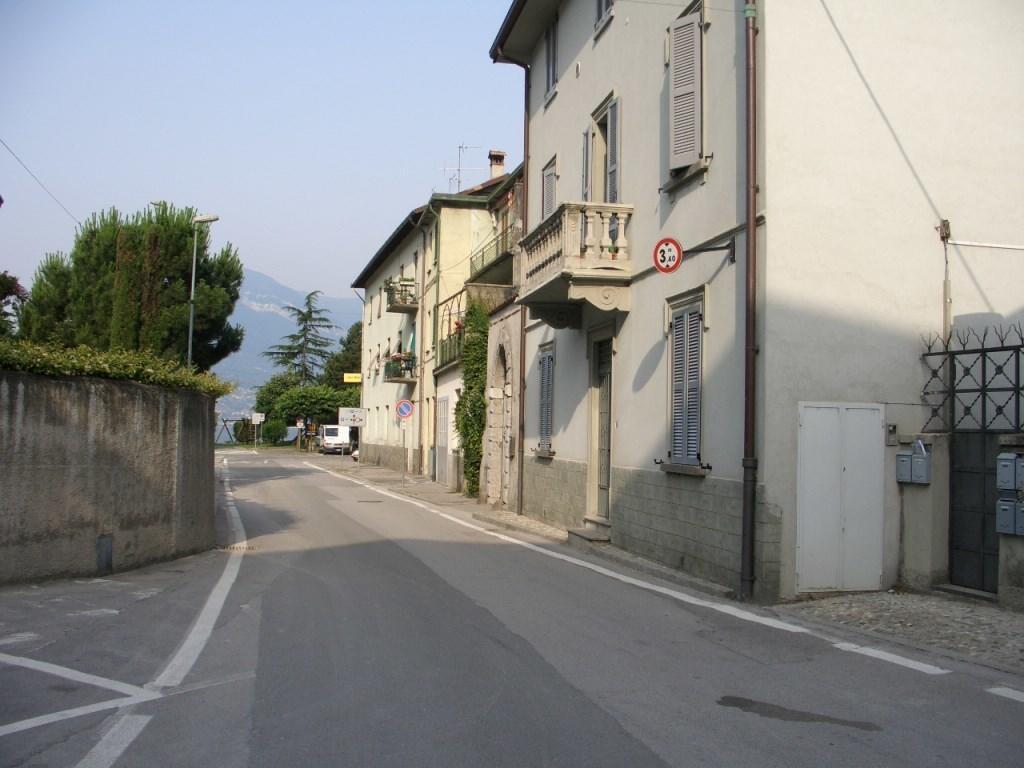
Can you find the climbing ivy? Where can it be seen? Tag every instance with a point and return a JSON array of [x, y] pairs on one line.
[[471, 410]]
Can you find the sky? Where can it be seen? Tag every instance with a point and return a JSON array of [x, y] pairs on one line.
[[309, 128]]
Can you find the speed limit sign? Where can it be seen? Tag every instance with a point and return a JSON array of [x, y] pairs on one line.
[[668, 255]]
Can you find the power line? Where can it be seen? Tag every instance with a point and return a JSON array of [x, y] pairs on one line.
[[47, 191]]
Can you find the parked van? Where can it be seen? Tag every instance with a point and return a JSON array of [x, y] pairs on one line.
[[331, 438]]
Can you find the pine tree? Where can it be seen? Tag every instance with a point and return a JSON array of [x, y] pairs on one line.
[[305, 351]]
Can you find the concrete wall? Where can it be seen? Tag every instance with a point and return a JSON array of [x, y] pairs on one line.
[[84, 459]]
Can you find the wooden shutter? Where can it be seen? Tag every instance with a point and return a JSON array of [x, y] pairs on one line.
[[586, 164], [687, 326], [547, 392], [548, 192], [612, 193], [685, 97]]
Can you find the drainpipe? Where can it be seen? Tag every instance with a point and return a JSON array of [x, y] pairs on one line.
[[750, 358], [499, 55]]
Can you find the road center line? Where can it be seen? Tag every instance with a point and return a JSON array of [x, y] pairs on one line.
[[115, 742]]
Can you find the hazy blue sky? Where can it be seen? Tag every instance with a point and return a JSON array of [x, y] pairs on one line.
[[310, 128]]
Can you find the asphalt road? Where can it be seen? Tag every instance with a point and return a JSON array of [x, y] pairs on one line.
[[348, 627]]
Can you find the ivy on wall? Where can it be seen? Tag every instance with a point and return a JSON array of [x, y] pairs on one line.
[[471, 410]]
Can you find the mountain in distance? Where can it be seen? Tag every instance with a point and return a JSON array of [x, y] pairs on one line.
[[260, 311]]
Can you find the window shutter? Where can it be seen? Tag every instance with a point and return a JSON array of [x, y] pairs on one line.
[[685, 106], [548, 192], [687, 326], [547, 390], [586, 164], [613, 152]]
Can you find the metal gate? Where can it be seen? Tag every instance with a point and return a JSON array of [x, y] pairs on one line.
[[974, 391]]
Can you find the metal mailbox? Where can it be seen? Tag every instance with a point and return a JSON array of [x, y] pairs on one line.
[[1020, 473], [1006, 472], [921, 468], [1006, 516], [1020, 518], [903, 462]]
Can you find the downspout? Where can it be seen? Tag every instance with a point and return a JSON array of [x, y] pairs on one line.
[[750, 357], [521, 431]]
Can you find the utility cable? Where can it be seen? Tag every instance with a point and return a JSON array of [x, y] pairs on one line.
[[47, 191]]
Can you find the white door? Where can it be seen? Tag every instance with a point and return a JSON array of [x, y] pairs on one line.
[[840, 470], [441, 451]]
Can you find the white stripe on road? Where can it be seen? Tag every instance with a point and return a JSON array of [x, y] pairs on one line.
[[115, 742], [180, 665], [67, 714], [1007, 693], [729, 610], [73, 674], [892, 658]]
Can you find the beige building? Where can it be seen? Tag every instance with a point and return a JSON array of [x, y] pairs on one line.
[[769, 464]]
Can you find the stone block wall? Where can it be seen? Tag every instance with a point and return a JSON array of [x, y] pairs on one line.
[[555, 491], [100, 475], [391, 456]]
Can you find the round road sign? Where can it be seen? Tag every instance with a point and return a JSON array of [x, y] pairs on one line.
[[403, 409], [668, 255]]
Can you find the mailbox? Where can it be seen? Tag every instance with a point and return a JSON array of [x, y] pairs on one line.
[[1006, 472], [1007, 513], [1020, 473], [921, 468], [903, 461], [1020, 518]]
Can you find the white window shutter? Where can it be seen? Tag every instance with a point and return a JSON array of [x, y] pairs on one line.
[[685, 97], [586, 164], [614, 149], [548, 192], [547, 390]]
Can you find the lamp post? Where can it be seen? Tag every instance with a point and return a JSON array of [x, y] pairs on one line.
[[202, 218]]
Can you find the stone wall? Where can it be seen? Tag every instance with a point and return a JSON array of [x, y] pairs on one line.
[[99, 475], [391, 456], [555, 491], [694, 524]]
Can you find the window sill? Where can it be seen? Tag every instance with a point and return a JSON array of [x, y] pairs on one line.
[[696, 172], [550, 96], [603, 22], [684, 469], [542, 454]]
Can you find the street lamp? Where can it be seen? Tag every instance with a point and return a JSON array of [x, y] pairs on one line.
[[202, 218]]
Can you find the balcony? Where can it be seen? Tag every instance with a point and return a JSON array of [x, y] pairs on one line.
[[400, 369], [449, 351], [402, 296], [578, 254], [489, 254]]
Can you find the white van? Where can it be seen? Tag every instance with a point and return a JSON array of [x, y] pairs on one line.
[[331, 438]]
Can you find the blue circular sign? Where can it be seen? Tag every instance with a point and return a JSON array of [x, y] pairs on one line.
[[403, 409]]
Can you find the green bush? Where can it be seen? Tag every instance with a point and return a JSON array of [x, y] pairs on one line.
[[274, 431], [124, 365]]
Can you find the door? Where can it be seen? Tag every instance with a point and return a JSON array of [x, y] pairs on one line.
[[442, 440], [506, 438], [603, 382], [840, 471]]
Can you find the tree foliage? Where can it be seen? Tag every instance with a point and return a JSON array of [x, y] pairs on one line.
[[12, 295], [305, 351], [317, 402], [471, 410], [274, 431], [126, 285], [346, 360], [273, 388]]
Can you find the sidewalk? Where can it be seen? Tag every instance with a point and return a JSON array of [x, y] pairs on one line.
[[958, 627]]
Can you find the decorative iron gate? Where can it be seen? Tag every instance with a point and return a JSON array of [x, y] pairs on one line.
[[974, 392]]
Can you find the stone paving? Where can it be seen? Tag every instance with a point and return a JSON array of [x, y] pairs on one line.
[[960, 627]]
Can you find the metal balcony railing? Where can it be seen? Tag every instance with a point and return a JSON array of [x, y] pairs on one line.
[[402, 296], [488, 253], [449, 350], [400, 369]]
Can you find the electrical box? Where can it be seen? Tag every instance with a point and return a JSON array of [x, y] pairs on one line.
[[903, 466], [1006, 516], [1020, 518], [1006, 471], [921, 468]]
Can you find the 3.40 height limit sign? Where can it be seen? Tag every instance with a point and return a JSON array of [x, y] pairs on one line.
[[668, 255]]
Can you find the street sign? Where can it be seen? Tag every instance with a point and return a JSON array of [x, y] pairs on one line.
[[258, 418], [668, 255], [351, 378], [300, 423], [404, 409], [351, 417]]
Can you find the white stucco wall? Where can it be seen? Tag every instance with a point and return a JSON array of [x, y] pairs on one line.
[[910, 113]]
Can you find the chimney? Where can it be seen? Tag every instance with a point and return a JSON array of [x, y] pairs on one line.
[[497, 158]]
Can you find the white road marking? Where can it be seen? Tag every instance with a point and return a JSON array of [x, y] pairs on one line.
[[18, 637], [73, 674], [115, 742], [67, 714], [1007, 693], [892, 658], [180, 665], [96, 612]]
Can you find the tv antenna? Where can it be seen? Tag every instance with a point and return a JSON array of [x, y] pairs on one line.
[[457, 176]]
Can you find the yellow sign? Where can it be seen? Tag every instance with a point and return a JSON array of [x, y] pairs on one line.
[[352, 378]]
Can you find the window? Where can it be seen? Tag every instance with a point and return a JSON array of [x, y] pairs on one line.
[[602, 148], [380, 299], [604, 12], [547, 190], [551, 58], [686, 332], [684, 116], [547, 396]]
